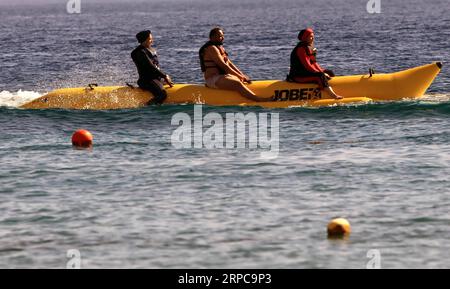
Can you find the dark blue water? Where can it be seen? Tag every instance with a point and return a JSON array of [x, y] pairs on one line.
[[136, 201]]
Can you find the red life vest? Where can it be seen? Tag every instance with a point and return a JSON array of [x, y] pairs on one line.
[[297, 68]]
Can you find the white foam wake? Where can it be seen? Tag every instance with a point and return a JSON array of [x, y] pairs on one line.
[[16, 99], [437, 97]]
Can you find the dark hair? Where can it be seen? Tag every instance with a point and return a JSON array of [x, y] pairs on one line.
[[214, 31], [143, 35]]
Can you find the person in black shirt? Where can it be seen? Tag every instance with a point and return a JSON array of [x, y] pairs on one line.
[[151, 78]]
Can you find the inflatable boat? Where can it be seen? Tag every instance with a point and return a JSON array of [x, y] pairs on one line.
[[410, 83]]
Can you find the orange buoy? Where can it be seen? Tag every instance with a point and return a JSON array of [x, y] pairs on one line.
[[339, 228], [82, 138]]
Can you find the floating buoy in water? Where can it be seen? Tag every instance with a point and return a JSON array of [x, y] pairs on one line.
[[339, 228], [82, 138]]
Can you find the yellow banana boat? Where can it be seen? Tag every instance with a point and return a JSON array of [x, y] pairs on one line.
[[410, 83]]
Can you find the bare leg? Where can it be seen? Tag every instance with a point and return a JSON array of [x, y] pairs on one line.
[[332, 93], [233, 83]]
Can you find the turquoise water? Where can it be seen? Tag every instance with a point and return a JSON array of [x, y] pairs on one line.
[[134, 201]]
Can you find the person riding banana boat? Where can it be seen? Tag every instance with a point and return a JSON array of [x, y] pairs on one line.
[[218, 70], [151, 77], [304, 67]]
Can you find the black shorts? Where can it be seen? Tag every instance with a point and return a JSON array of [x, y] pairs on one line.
[[156, 88], [314, 77]]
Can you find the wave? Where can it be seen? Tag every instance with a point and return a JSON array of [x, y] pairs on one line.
[[435, 98], [435, 105], [16, 99], [434, 102]]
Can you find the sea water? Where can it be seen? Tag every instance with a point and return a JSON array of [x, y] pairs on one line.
[[136, 201]]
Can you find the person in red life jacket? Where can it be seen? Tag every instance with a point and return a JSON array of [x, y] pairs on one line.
[[151, 78], [304, 68], [219, 71]]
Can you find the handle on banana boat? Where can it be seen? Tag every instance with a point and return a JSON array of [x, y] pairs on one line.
[[130, 85], [92, 85]]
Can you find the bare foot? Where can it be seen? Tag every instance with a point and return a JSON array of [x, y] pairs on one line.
[[330, 91]]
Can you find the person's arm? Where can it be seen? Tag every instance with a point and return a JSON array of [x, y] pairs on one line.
[[304, 59], [235, 67], [214, 54], [243, 77], [318, 67], [147, 64]]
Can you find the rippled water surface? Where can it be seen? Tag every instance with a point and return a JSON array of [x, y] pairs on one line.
[[135, 201]]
